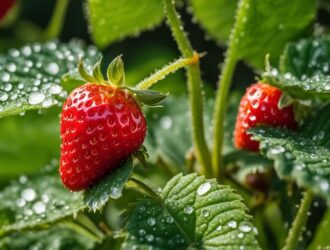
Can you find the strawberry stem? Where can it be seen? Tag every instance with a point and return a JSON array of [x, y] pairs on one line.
[[299, 222], [168, 69], [194, 89], [146, 189], [223, 89], [56, 23]]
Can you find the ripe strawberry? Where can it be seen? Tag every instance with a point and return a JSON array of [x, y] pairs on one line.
[[101, 126], [5, 6], [259, 106]]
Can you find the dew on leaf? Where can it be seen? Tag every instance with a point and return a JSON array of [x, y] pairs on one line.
[[39, 207], [245, 227], [151, 221], [188, 210], [29, 194], [204, 188], [36, 98], [115, 192], [232, 224]]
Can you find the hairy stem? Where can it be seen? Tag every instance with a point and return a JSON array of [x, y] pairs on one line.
[[56, 22], [81, 230], [224, 87], [146, 189], [171, 68], [194, 89], [299, 222]]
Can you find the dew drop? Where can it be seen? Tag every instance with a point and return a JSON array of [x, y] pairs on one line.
[[28, 194], [115, 192], [53, 68], [150, 237], [244, 227], [55, 89], [219, 228], [188, 210], [3, 97], [206, 213], [5, 77], [232, 224], [151, 221], [39, 207], [166, 122], [204, 188], [36, 98], [20, 202]]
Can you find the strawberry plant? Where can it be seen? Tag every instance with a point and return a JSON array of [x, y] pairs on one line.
[[95, 155]]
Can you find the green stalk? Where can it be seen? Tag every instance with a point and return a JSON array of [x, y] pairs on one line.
[[145, 188], [56, 22], [224, 87], [299, 222], [194, 89], [171, 68]]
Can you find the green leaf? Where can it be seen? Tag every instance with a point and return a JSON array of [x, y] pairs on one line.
[[215, 16], [55, 238], [110, 187], [31, 77], [194, 213], [149, 97], [28, 142], [265, 26], [302, 156], [114, 20], [307, 58], [321, 239], [116, 72], [304, 69], [37, 201]]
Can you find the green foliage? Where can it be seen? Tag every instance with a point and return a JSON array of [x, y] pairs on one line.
[[321, 239], [29, 77], [305, 69], [110, 187], [216, 16], [28, 142], [114, 20], [263, 26], [304, 156], [55, 238], [193, 213], [36, 202]]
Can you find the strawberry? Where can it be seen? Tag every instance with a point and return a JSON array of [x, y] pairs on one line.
[[5, 6], [259, 106], [101, 126]]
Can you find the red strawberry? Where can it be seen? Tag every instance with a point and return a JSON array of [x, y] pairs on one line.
[[259, 106], [101, 125], [5, 6]]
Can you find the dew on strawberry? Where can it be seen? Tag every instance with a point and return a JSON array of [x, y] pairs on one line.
[[102, 124]]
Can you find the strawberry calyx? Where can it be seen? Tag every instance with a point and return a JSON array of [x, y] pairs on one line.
[[116, 76]]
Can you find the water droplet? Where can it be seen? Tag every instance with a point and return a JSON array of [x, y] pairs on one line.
[[39, 207], [20, 202], [23, 179], [3, 97], [53, 68], [36, 98], [115, 192], [188, 210], [28, 194], [11, 67], [142, 232], [5, 77], [232, 224], [151, 221], [245, 227], [169, 220], [324, 185], [55, 89], [240, 235], [166, 122], [150, 237], [206, 213], [277, 150], [204, 188]]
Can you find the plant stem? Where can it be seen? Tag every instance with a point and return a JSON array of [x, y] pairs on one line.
[[81, 230], [171, 68], [299, 222], [194, 89], [56, 22], [146, 189], [223, 90], [85, 221]]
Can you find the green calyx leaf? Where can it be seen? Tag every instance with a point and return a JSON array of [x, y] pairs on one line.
[[84, 74], [142, 156], [115, 71], [302, 156], [97, 73], [193, 213], [148, 97]]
